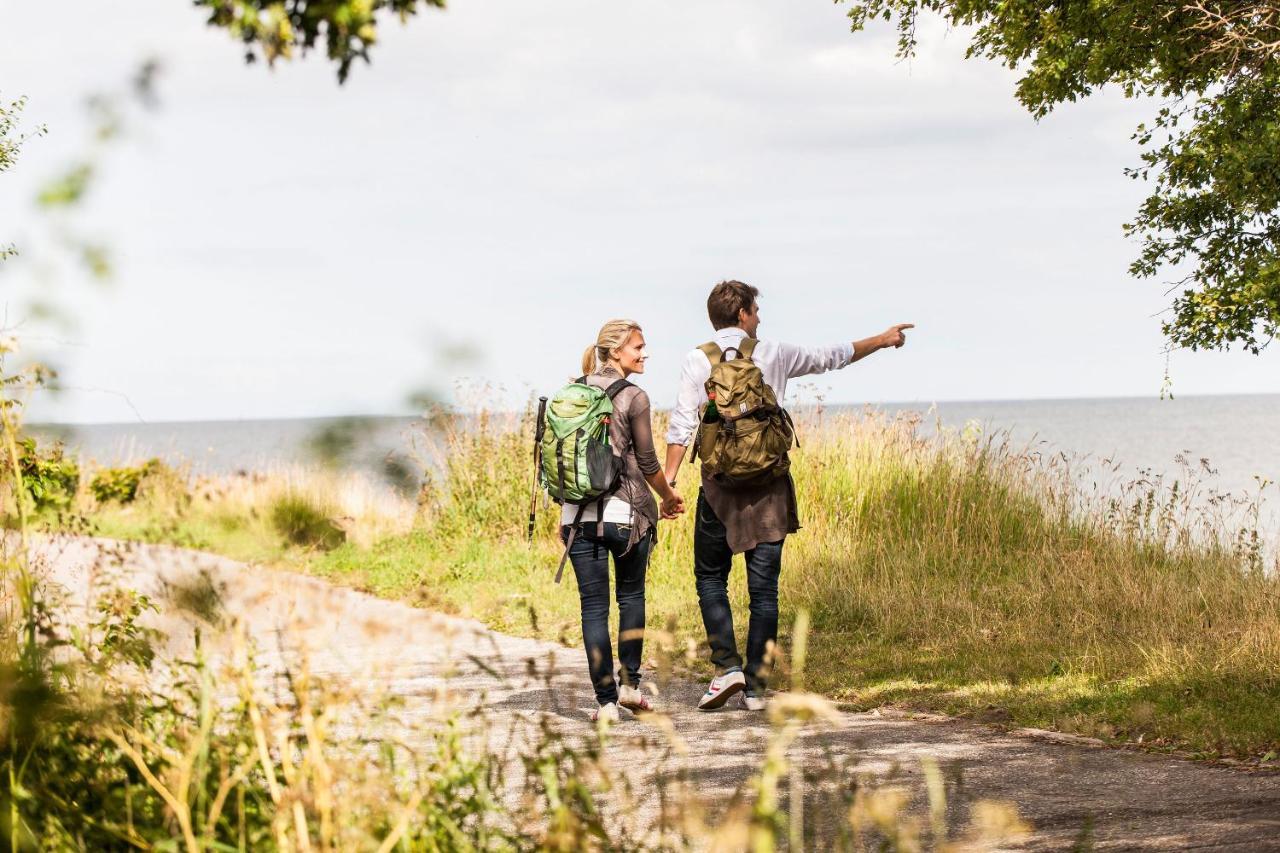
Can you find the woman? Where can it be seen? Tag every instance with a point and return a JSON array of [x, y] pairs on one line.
[[630, 519]]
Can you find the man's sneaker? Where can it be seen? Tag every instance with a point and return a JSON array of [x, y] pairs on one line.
[[721, 689], [608, 713], [633, 699], [750, 702]]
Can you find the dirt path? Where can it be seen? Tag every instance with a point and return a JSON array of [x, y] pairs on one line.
[[1131, 800]]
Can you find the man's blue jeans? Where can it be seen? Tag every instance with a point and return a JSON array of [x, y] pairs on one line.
[[590, 558], [712, 560]]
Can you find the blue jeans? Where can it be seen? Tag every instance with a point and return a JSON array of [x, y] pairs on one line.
[[590, 558], [712, 560]]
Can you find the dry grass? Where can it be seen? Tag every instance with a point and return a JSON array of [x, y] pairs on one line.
[[105, 745], [242, 513], [947, 571], [950, 572]]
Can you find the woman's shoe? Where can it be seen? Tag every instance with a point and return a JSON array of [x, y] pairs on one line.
[[634, 700], [721, 688], [608, 713], [751, 702]]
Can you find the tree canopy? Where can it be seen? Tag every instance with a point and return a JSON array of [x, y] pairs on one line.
[[11, 141], [1212, 150], [278, 28]]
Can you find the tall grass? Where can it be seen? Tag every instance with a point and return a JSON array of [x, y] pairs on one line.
[[942, 570], [967, 572], [947, 572], [106, 745]]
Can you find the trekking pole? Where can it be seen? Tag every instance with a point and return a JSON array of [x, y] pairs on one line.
[[539, 430]]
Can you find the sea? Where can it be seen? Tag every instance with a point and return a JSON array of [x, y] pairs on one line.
[[1231, 443]]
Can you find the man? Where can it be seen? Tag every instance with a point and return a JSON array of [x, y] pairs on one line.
[[752, 520]]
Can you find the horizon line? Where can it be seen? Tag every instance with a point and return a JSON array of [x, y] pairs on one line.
[[871, 403]]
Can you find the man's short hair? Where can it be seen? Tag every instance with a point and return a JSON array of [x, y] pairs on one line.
[[727, 299]]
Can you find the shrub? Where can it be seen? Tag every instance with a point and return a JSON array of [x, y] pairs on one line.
[[49, 478], [164, 489], [121, 484], [301, 522]]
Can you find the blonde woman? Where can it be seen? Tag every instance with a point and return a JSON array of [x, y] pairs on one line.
[[626, 528]]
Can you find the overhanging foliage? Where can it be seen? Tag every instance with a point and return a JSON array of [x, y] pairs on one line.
[[1212, 220]]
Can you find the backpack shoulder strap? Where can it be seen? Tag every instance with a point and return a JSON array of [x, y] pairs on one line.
[[747, 347], [617, 388], [713, 352]]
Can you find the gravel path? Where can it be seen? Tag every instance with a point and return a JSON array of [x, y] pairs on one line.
[[1066, 790]]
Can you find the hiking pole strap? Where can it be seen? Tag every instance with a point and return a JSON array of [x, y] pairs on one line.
[[573, 535], [533, 499]]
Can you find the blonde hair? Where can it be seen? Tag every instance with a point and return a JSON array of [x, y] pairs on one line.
[[613, 334]]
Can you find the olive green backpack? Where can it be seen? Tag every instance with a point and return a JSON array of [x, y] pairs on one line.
[[744, 436]]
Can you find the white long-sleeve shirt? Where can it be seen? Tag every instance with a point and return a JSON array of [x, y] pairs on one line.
[[778, 362]]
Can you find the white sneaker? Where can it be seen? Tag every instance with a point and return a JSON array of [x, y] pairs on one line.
[[633, 699], [721, 688], [608, 713], [751, 703]]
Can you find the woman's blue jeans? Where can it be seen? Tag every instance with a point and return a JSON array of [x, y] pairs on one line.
[[590, 557]]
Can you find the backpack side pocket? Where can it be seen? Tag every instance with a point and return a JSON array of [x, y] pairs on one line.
[[604, 468]]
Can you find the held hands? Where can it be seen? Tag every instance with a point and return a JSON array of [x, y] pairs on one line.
[[896, 336], [672, 506]]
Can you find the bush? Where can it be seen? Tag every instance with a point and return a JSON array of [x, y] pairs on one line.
[[301, 522], [121, 484], [48, 477]]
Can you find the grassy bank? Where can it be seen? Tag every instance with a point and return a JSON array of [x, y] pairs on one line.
[[107, 743], [954, 574]]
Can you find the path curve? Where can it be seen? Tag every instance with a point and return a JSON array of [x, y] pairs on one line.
[[1131, 800]]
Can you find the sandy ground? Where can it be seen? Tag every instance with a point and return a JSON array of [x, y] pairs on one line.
[[1067, 791]]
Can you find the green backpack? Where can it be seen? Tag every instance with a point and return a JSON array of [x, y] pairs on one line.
[[578, 466], [744, 436]]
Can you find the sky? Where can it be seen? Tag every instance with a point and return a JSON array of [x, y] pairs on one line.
[[507, 175]]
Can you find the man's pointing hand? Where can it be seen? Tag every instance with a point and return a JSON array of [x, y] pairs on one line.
[[896, 336]]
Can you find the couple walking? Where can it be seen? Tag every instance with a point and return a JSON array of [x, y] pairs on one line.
[[746, 505]]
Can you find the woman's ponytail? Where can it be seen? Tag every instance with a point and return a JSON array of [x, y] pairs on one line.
[[613, 334]]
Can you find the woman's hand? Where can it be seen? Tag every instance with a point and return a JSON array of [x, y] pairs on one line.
[[672, 504]]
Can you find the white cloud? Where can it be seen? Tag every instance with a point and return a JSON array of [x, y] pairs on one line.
[[513, 173]]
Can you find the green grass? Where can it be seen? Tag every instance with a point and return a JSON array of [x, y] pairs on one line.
[[301, 522], [953, 575]]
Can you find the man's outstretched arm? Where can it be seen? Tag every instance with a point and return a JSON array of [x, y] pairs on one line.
[[895, 337], [808, 361]]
